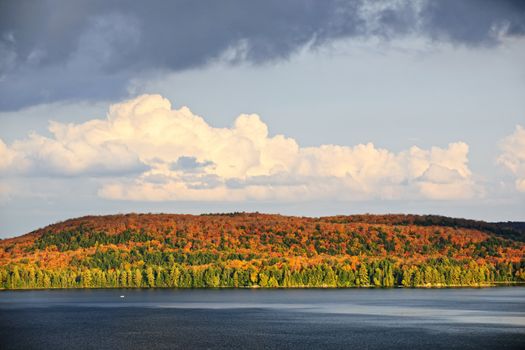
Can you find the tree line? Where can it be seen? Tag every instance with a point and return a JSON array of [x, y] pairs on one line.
[[384, 273]]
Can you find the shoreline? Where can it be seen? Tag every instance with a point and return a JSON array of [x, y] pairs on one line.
[[480, 286]]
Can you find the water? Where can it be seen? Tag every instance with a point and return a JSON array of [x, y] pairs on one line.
[[492, 318]]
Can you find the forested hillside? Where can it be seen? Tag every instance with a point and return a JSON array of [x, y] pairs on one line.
[[260, 250]]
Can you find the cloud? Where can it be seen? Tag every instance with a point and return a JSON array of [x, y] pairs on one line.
[[152, 152], [6, 156], [189, 164], [513, 156], [473, 21], [84, 149], [439, 182], [54, 51]]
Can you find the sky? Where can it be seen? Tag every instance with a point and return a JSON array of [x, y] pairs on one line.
[[293, 107]]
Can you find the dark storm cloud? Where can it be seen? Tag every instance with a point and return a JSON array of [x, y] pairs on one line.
[[473, 21], [63, 50]]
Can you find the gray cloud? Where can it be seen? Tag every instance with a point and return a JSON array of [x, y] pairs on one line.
[[189, 164], [64, 50], [473, 21]]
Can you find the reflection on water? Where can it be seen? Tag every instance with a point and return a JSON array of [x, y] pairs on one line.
[[484, 314]]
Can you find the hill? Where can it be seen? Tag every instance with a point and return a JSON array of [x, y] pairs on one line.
[[262, 250]]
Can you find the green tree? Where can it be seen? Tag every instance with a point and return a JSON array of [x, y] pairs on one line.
[[174, 276], [407, 277], [87, 279], [377, 278], [150, 277], [137, 278], [363, 276]]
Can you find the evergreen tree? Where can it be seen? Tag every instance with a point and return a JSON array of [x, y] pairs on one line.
[[363, 276]]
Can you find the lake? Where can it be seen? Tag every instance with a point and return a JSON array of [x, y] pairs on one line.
[[487, 318]]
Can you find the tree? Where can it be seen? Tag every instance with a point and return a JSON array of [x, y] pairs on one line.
[[273, 283], [388, 275], [407, 277], [174, 276], [329, 277], [137, 278], [211, 278], [263, 279], [363, 276], [150, 277], [86, 279], [378, 277]]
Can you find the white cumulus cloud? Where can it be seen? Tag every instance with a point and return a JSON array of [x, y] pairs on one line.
[[513, 156], [145, 150]]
